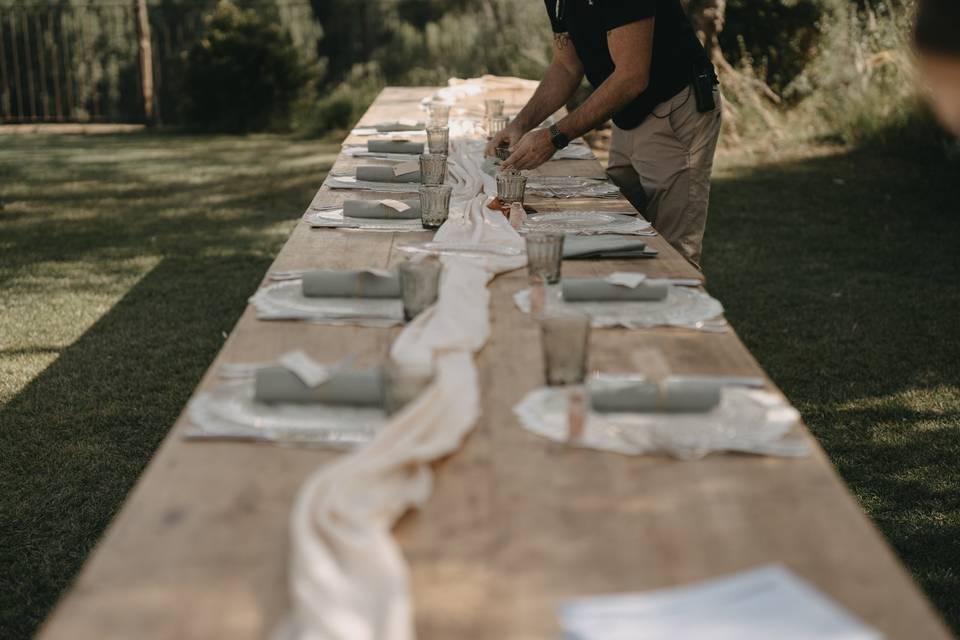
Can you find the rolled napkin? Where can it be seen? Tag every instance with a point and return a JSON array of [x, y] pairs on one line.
[[388, 127], [376, 209], [584, 247], [353, 388], [328, 283], [394, 146], [597, 290], [672, 395], [371, 173]]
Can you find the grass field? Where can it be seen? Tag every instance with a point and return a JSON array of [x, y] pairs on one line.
[[125, 260]]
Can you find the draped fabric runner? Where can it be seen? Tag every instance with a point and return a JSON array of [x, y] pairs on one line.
[[348, 577]]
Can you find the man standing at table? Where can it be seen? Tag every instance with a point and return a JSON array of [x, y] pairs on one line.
[[653, 77]]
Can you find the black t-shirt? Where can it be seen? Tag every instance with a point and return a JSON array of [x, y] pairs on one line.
[[676, 49]]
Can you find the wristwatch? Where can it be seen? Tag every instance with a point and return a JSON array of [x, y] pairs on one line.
[[558, 139]]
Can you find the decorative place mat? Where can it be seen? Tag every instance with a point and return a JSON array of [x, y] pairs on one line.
[[571, 187], [285, 301], [747, 420], [229, 411], [683, 307], [334, 218], [587, 223]]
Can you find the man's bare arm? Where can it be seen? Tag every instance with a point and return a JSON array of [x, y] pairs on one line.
[[560, 80], [631, 47]]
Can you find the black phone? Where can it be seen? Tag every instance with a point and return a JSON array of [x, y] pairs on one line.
[[704, 80]]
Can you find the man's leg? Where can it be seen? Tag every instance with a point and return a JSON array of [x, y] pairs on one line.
[[673, 155], [620, 169]]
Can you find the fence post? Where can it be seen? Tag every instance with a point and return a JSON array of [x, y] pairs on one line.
[[146, 59]]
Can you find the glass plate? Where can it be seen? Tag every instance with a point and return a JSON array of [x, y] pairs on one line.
[[288, 296], [576, 221]]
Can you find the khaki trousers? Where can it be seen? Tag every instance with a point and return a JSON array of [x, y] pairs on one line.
[[663, 168]]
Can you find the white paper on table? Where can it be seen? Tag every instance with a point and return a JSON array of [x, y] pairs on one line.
[[406, 167], [396, 205], [626, 279], [767, 603], [310, 372]]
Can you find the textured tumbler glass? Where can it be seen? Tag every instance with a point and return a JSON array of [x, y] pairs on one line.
[[503, 153], [438, 140], [510, 187], [564, 337], [433, 168], [544, 256], [439, 114], [419, 285], [402, 384], [434, 204], [493, 107], [496, 124]]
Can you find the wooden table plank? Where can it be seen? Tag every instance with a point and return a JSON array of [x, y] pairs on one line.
[[515, 523]]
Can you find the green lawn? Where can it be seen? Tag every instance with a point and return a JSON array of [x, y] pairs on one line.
[[125, 260]]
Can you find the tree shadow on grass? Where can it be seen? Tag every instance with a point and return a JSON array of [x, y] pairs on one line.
[[77, 437], [841, 275]]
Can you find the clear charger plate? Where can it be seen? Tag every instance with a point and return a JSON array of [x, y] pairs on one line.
[[571, 187], [586, 223], [229, 411], [747, 420], [285, 301], [683, 307]]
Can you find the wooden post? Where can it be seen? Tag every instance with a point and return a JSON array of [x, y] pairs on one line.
[[146, 59]]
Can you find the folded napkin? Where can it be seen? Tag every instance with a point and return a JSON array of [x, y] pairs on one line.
[[673, 395], [376, 209], [355, 388], [394, 146], [387, 127], [328, 283], [597, 290], [371, 173], [584, 247]]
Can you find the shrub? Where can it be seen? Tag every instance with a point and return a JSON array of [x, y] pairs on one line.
[[242, 73]]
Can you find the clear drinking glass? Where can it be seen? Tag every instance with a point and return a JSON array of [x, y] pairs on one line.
[[493, 107], [439, 114], [419, 285], [402, 384], [433, 168], [545, 256], [503, 153], [434, 204], [564, 337], [496, 124], [511, 187], [438, 140]]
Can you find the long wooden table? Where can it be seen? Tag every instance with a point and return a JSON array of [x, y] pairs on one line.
[[515, 524]]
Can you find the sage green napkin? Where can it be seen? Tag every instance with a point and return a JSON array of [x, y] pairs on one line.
[[354, 388], [371, 173], [586, 247], [387, 127], [375, 209], [597, 290], [673, 395], [328, 283], [394, 146]]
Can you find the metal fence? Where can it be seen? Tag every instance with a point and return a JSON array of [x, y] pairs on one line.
[[82, 62]]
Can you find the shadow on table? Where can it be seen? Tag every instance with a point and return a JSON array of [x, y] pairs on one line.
[[841, 275]]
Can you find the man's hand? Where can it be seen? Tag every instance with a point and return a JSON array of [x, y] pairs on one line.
[[508, 137], [533, 150]]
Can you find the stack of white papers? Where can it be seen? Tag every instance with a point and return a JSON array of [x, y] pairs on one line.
[[769, 603]]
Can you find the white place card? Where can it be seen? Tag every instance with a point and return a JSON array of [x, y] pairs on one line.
[[311, 372], [406, 167], [396, 205], [625, 279]]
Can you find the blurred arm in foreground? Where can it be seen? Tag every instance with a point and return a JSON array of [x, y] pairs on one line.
[[938, 43]]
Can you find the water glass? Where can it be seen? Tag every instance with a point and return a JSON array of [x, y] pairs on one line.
[[433, 168], [438, 114], [496, 124], [402, 384], [434, 204], [564, 337], [419, 285], [493, 107], [438, 140], [545, 256], [503, 153], [511, 187]]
